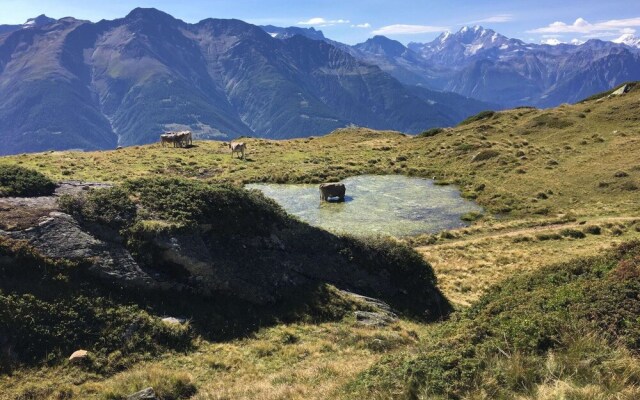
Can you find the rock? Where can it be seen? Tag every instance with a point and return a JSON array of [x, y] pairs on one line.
[[79, 356], [174, 321], [59, 236], [621, 90], [144, 394], [374, 319]]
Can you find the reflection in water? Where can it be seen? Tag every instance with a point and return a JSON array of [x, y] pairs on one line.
[[376, 205]]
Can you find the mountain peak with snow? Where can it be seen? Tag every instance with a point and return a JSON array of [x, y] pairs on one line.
[[40, 20], [628, 39]]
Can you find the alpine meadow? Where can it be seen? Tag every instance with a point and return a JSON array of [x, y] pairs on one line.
[[248, 201]]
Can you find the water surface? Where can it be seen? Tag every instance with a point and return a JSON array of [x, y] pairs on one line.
[[376, 205]]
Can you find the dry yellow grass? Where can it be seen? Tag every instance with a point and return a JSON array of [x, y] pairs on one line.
[[469, 265]]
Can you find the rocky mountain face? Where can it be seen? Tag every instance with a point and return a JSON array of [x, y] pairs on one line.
[[74, 84], [485, 65], [482, 64], [629, 40]]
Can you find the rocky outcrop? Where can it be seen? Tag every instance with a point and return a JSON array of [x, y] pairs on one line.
[[60, 237], [233, 259]]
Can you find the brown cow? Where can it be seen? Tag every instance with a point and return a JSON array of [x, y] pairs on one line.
[[168, 138], [328, 190], [237, 147]]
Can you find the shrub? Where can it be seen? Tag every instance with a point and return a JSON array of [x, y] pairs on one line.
[[573, 233], [48, 310], [593, 230], [548, 236], [187, 202], [23, 182], [485, 155], [110, 207], [471, 216], [478, 117], [430, 132]]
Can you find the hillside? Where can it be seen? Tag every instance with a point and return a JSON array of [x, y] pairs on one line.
[[543, 284], [521, 162], [72, 84]]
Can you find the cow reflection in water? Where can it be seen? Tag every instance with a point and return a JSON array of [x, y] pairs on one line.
[[332, 191]]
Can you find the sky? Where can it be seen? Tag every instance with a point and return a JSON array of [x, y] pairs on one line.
[[351, 21]]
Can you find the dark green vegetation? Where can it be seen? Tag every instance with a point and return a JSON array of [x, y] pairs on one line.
[[478, 117], [574, 322], [48, 309], [23, 182], [430, 132]]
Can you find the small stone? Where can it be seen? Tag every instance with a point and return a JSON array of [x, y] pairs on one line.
[[144, 394], [174, 321], [79, 356]]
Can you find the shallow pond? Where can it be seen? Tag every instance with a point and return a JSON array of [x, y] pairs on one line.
[[376, 205]]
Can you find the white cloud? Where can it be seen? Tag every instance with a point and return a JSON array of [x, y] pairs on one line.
[[494, 19], [400, 29], [319, 21], [365, 25], [583, 26]]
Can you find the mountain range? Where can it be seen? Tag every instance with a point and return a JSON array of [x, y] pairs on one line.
[[483, 64], [73, 84]]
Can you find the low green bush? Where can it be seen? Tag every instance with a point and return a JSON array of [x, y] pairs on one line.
[[49, 309], [111, 207], [593, 230], [573, 233], [22, 182], [430, 132], [485, 155], [478, 117], [565, 322]]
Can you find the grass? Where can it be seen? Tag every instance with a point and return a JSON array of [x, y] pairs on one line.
[[570, 324], [524, 162]]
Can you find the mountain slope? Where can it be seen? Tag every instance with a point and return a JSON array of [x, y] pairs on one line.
[[96, 85], [483, 64]]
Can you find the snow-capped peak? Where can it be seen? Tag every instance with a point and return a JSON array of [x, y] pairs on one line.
[[628, 39], [40, 20]]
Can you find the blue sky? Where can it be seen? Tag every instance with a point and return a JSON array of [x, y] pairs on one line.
[[353, 21]]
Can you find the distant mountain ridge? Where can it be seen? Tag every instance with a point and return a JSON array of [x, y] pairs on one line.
[[483, 64], [71, 84]]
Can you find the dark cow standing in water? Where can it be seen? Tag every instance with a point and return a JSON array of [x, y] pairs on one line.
[[328, 190]]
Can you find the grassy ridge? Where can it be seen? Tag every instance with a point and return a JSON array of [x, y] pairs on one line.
[[575, 323], [540, 164]]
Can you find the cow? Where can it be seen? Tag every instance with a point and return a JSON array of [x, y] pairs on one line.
[[238, 147], [185, 138], [328, 190], [168, 138]]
